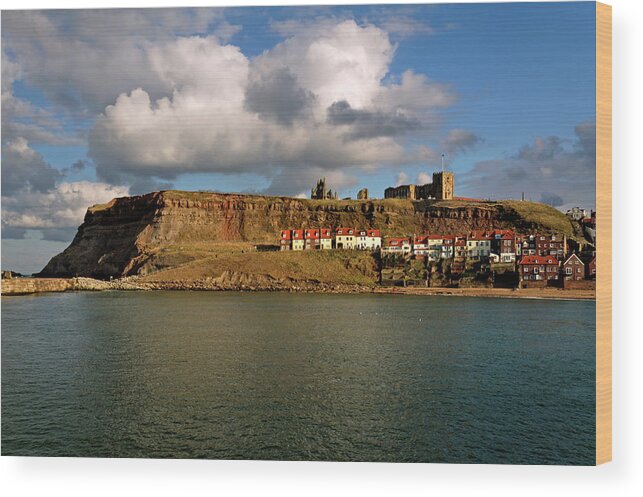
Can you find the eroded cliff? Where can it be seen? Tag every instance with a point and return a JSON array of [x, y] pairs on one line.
[[160, 230]]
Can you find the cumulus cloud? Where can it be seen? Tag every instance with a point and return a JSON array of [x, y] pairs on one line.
[[362, 124], [34, 196], [57, 212], [550, 169], [25, 169], [81, 59], [277, 96], [229, 114], [23, 119], [423, 178], [401, 178]]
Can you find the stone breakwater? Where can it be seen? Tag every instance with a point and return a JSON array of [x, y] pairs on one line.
[[26, 286]]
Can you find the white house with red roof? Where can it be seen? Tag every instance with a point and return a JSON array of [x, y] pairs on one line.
[[345, 238], [298, 241], [448, 247], [325, 239], [400, 246], [421, 245], [434, 250], [460, 248], [478, 245], [373, 240]]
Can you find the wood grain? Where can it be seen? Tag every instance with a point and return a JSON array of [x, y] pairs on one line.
[[603, 233]]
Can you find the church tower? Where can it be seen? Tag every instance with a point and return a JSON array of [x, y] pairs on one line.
[[443, 185]]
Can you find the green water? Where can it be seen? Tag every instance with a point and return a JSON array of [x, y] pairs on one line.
[[298, 377]]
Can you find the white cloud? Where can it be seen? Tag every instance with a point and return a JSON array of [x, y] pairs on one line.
[[82, 59], [401, 179], [423, 178], [62, 207], [35, 198], [269, 115]]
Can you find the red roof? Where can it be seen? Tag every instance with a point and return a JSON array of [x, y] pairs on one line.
[[504, 234], [345, 231], [299, 234], [396, 241], [285, 234], [312, 234], [461, 241], [541, 260], [326, 233], [469, 199], [479, 235], [373, 233], [360, 232], [423, 239]]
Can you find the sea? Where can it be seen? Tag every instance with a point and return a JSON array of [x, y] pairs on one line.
[[288, 376]]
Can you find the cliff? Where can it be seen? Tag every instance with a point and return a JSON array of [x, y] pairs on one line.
[[169, 229]]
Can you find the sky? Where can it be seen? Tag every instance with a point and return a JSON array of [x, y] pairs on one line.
[[98, 104]]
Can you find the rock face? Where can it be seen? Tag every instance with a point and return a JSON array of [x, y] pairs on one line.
[[118, 238]]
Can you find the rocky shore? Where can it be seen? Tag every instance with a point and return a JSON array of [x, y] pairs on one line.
[[25, 286]]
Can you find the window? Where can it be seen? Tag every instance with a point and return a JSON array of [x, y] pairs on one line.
[[578, 270], [568, 270]]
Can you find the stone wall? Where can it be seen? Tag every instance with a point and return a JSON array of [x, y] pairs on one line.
[[579, 285], [23, 286]]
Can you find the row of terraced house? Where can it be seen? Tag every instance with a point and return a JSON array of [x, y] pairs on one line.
[[328, 239], [538, 257], [502, 246]]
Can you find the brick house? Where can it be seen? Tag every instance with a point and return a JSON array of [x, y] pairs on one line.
[[591, 269], [538, 268], [550, 245], [573, 269], [311, 239], [503, 244], [285, 240]]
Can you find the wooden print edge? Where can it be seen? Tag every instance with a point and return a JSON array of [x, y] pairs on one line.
[[603, 233]]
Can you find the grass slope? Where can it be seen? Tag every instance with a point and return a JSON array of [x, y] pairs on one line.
[[196, 263]]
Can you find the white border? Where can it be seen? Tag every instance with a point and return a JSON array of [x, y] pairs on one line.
[[113, 477]]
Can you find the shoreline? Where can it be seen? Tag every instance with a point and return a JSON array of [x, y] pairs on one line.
[[31, 286]]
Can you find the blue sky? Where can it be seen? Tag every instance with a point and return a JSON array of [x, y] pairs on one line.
[[506, 90]]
